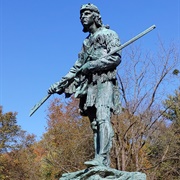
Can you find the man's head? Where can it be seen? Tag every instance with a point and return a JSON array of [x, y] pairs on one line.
[[90, 14]]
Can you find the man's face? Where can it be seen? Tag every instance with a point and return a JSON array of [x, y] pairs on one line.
[[86, 18]]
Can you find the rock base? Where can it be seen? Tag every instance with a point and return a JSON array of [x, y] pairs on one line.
[[103, 173]]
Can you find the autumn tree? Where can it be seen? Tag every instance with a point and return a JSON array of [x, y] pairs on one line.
[[18, 157], [9, 131], [166, 150], [172, 104], [23, 162], [68, 140], [8, 137], [143, 80], [146, 132]]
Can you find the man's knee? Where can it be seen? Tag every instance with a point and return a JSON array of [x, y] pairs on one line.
[[103, 113]]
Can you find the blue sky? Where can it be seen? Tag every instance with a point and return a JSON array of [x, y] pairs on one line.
[[40, 40]]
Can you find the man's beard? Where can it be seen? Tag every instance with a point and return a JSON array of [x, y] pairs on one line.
[[85, 29]]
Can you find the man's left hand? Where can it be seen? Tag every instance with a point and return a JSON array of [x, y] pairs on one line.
[[84, 69]]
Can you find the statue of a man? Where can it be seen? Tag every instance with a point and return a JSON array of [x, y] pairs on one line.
[[93, 80]]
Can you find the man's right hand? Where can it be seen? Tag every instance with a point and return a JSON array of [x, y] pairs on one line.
[[53, 88], [58, 87]]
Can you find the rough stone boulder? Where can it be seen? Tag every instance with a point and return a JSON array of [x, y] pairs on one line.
[[103, 173]]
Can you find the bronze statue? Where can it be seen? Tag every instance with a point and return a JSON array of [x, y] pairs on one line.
[[93, 80]]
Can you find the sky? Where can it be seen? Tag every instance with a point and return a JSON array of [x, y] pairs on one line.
[[40, 41]]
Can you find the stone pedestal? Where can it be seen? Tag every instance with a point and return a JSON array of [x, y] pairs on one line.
[[103, 173]]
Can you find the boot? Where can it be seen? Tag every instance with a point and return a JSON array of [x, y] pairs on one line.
[[97, 161]]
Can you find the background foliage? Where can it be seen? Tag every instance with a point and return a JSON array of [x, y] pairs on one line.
[[147, 132]]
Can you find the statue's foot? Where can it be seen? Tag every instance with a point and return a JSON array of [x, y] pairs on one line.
[[94, 162]]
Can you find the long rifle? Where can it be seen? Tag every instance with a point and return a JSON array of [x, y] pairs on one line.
[[36, 107]]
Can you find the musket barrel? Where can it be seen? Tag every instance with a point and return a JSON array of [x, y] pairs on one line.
[[36, 107], [131, 40], [138, 36]]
